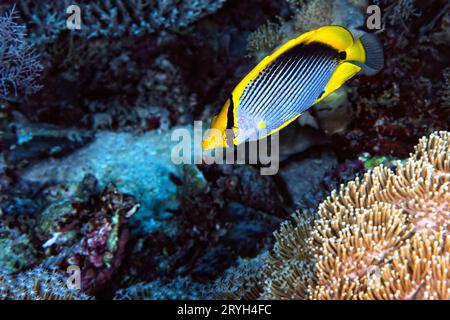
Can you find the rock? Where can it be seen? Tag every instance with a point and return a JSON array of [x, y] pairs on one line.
[[138, 165], [305, 175]]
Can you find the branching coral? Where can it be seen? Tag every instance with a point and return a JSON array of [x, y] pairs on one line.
[[385, 236], [313, 14], [244, 281], [114, 18], [399, 11], [37, 284], [308, 16], [19, 65]]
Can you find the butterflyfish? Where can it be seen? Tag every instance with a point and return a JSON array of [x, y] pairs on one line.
[[294, 77]]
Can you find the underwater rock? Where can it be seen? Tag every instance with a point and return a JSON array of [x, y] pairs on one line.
[[25, 142], [137, 165], [305, 175], [295, 139], [334, 113]]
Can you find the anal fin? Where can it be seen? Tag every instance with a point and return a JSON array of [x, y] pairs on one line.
[[343, 72]]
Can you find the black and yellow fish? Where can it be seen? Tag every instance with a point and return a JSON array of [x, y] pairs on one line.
[[296, 76]]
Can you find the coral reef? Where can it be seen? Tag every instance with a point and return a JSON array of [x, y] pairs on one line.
[[142, 170], [37, 284], [86, 175], [307, 15], [89, 230], [391, 124], [16, 251], [264, 39], [384, 236], [177, 289], [241, 282], [19, 63], [116, 18], [191, 221]]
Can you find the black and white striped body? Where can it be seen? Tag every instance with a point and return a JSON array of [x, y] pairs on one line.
[[284, 89]]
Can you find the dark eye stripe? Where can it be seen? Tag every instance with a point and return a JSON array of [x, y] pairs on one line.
[[230, 114]]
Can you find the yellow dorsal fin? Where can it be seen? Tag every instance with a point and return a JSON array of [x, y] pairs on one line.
[[337, 37]]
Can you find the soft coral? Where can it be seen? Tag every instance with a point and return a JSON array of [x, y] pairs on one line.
[[19, 64]]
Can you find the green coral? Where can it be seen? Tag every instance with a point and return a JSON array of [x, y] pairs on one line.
[[370, 162]]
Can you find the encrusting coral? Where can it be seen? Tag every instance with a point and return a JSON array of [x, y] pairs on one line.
[[385, 236], [37, 284]]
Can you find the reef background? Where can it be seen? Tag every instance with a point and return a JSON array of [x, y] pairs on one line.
[[85, 123]]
